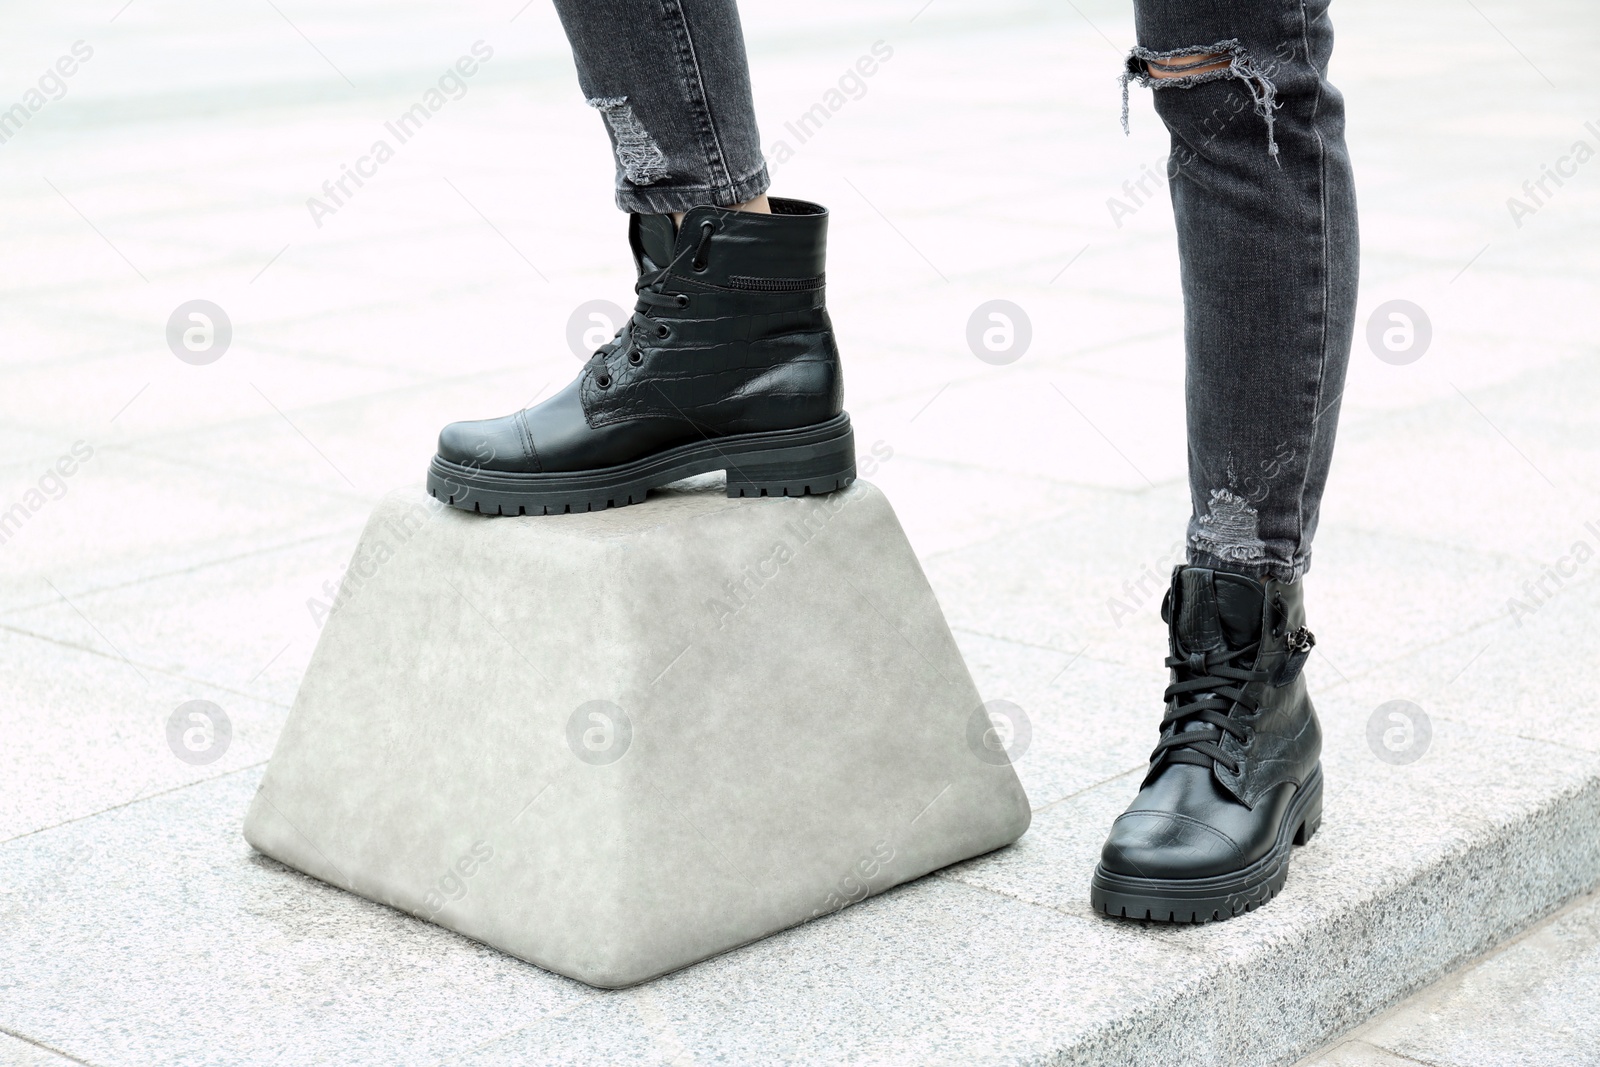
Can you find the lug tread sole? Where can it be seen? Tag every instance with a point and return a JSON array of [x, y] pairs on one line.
[[809, 461], [1155, 900]]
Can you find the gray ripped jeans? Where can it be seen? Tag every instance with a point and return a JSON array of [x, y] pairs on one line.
[[1261, 192]]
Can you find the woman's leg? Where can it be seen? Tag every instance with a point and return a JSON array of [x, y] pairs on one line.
[[1265, 209], [671, 80], [728, 361]]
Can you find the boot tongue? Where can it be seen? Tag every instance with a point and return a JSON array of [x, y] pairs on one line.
[[1217, 611], [654, 239]]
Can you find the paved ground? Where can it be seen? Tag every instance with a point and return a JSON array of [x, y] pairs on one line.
[[206, 505], [1529, 1002]]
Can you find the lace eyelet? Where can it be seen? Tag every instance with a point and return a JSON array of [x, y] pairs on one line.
[[663, 331], [635, 357], [683, 300], [698, 264], [603, 380]]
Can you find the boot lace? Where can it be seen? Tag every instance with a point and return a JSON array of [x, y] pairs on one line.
[[1209, 686], [651, 292]]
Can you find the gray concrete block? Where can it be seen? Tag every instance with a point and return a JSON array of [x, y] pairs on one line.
[[616, 744]]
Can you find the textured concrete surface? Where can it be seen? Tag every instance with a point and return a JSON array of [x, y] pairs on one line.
[[613, 744], [1529, 1002], [178, 562], [18, 1053]]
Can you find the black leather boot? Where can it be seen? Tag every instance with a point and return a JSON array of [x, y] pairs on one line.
[[727, 363], [1236, 781]]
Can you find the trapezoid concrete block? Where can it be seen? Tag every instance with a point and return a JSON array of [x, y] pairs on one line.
[[614, 744]]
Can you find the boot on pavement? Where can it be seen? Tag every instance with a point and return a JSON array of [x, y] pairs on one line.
[[1236, 780]]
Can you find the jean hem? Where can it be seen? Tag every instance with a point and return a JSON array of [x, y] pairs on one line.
[[665, 199], [1276, 569]]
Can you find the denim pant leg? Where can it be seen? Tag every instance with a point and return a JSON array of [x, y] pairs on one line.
[[671, 79], [1266, 217]]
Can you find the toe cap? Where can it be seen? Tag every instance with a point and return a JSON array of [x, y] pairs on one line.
[[1163, 844], [486, 444]]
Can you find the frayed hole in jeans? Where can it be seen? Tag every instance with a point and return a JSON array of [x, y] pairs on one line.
[[1210, 62], [1230, 529], [641, 159]]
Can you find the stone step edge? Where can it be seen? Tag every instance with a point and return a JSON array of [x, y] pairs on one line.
[[1368, 956]]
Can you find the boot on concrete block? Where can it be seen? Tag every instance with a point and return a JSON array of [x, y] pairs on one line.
[[728, 362], [1236, 780]]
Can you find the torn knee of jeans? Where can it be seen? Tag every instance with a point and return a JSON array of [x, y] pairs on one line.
[[1187, 66], [1211, 62], [1230, 530], [641, 159]]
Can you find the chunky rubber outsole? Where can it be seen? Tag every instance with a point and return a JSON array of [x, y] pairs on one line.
[[1201, 900], [813, 459]]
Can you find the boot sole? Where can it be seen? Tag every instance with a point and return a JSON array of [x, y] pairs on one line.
[[1201, 900], [810, 460]]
